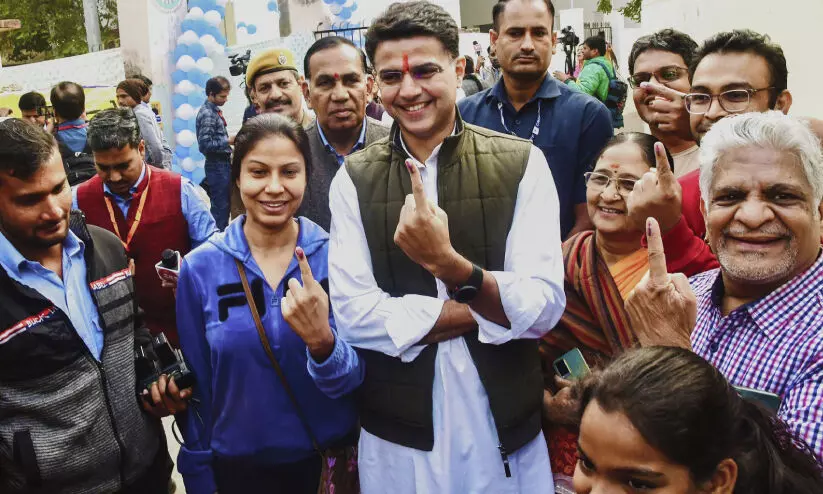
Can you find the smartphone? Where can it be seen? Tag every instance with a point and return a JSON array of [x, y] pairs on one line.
[[769, 400], [571, 365]]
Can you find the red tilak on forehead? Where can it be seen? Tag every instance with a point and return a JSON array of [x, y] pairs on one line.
[[614, 166], [405, 62], [336, 76]]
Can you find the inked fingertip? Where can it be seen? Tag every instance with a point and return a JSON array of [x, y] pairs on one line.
[[648, 227], [298, 251], [409, 165]]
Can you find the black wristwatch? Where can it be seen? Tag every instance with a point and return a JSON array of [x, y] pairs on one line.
[[466, 292]]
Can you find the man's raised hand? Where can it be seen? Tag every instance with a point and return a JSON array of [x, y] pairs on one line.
[[667, 111], [656, 195], [662, 308], [423, 233]]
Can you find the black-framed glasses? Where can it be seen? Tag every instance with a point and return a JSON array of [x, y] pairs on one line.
[[732, 101], [670, 73], [600, 181], [419, 73]]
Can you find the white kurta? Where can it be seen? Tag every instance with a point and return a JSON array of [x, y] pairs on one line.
[[465, 458]]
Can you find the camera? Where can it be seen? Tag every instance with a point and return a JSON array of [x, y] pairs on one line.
[[158, 358], [238, 64], [568, 38]]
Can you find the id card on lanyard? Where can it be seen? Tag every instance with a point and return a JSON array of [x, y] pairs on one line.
[[137, 216], [535, 130]]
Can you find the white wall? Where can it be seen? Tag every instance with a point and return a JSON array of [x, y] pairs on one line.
[[794, 24], [102, 68]]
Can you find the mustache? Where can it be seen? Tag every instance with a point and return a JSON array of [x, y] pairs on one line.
[[274, 102], [771, 230]]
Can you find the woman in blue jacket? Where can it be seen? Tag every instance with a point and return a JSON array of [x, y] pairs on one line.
[[242, 432]]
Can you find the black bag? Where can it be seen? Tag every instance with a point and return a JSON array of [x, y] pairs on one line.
[[79, 166]]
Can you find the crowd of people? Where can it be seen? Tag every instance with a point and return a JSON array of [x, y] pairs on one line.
[[495, 294]]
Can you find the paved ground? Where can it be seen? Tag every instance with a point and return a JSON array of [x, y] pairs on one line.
[[174, 447]]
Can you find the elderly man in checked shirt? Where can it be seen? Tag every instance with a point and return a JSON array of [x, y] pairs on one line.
[[758, 317]]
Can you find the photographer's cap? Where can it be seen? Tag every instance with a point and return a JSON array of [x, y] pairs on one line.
[[268, 61]]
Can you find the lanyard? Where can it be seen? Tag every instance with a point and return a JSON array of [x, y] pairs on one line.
[[137, 215], [535, 130]]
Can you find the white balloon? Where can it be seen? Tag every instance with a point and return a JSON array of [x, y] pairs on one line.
[[188, 164], [185, 87], [208, 40], [213, 17], [222, 3], [185, 112], [195, 14], [335, 8], [186, 137], [186, 63], [205, 64], [188, 38]]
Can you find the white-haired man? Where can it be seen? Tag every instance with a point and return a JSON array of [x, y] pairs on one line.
[[758, 317]]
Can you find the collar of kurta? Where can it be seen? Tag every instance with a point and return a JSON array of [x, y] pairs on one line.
[[450, 151]]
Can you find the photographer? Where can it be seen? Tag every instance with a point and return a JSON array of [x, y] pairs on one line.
[[69, 417], [34, 109]]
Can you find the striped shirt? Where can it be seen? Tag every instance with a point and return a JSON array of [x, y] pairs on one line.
[[774, 344]]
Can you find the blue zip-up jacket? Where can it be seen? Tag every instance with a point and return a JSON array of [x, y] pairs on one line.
[[243, 411]]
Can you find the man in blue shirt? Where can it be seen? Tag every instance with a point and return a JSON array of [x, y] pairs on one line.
[[213, 141], [69, 103], [148, 208], [569, 127], [337, 88], [69, 414]]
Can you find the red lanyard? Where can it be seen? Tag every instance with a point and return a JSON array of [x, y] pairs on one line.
[[137, 215]]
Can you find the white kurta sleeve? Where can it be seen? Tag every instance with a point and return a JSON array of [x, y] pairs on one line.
[[531, 285], [366, 316]]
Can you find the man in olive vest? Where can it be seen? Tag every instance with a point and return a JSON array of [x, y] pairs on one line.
[[445, 266]]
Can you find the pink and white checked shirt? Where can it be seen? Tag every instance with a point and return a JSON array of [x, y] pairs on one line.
[[774, 344]]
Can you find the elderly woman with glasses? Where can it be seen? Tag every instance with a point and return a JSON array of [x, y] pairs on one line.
[[601, 269]]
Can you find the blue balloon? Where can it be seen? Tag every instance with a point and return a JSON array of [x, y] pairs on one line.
[[199, 26], [179, 125], [182, 172], [180, 51], [195, 4], [353, 6], [272, 6], [197, 51], [181, 152], [192, 125], [196, 99], [197, 77], [177, 100], [241, 24], [198, 175], [345, 14], [177, 76], [251, 29], [221, 10], [221, 39], [196, 155], [207, 5], [187, 25]]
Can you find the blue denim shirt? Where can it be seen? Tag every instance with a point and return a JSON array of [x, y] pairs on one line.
[[573, 129], [71, 295], [73, 133], [200, 221], [360, 144]]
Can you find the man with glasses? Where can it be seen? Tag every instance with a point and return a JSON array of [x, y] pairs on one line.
[[659, 67], [444, 268], [568, 126], [733, 72]]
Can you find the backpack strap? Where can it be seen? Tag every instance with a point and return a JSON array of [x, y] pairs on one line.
[[605, 68]]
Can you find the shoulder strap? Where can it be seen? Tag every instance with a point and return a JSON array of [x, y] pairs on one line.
[[267, 347], [605, 68]]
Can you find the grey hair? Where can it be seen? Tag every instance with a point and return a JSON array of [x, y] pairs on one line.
[[114, 128], [772, 130]]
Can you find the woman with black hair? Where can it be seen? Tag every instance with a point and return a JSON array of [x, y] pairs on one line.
[[662, 419], [274, 381]]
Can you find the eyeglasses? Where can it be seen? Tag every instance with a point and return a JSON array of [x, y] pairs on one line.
[[669, 73], [599, 181], [733, 101], [419, 73]]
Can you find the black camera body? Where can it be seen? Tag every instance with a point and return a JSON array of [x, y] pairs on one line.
[[568, 38], [239, 63], [158, 358]]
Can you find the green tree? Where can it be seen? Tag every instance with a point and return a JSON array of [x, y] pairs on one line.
[[631, 10], [52, 29]]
